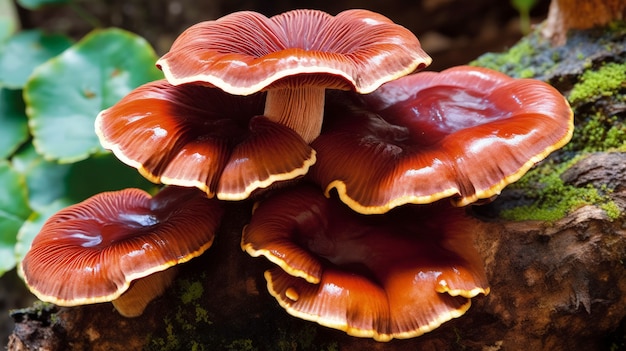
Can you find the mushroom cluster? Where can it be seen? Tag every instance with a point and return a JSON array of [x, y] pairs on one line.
[[366, 152]]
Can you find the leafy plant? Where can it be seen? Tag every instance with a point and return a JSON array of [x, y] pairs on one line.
[[51, 90], [523, 7]]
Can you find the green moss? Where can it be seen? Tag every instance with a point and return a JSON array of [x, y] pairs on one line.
[[192, 325], [612, 210], [617, 26], [186, 319], [598, 127], [535, 57], [178, 324], [192, 291], [202, 315], [593, 84], [168, 343], [616, 138], [557, 202], [512, 61], [241, 345], [552, 199], [304, 339], [45, 312], [598, 132]]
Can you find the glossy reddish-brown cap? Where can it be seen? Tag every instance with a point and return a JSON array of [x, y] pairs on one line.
[[192, 135], [396, 275], [245, 52], [464, 133], [93, 251], [295, 55]]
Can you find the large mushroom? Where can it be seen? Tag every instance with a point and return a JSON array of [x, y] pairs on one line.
[[119, 246], [464, 133], [396, 275], [294, 56], [192, 135]]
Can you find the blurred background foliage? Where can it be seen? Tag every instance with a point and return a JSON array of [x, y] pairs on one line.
[[63, 61], [52, 89]]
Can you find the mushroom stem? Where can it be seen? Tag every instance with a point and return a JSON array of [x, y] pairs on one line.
[[300, 109], [134, 301]]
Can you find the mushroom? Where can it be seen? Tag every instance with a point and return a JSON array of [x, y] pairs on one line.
[[192, 135], [294, 56], [119, 246], [464, 133], [396, 275]]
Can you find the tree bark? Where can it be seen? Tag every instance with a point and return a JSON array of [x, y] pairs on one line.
[[554, 286]]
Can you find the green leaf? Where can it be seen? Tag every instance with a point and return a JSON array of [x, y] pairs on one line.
[[25, 51], [99, 173], [13, 122], [37, 4], [13, 212], [8, 19], [45, 179], [523, 5], [49, 181], [65, 94]]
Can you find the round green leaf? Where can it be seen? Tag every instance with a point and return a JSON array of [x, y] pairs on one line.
[[45, 179], [36, 4], [8, 19], [13, 122], [65, 94], [25, 51], [49, 181], [13, 212], [99, 173]]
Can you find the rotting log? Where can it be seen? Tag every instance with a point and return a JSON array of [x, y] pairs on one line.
[[554, 286]]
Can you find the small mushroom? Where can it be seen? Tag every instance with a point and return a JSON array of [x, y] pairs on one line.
[[294, 56], [464, 133], [191, 135], [396, 275], [119, 246]]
